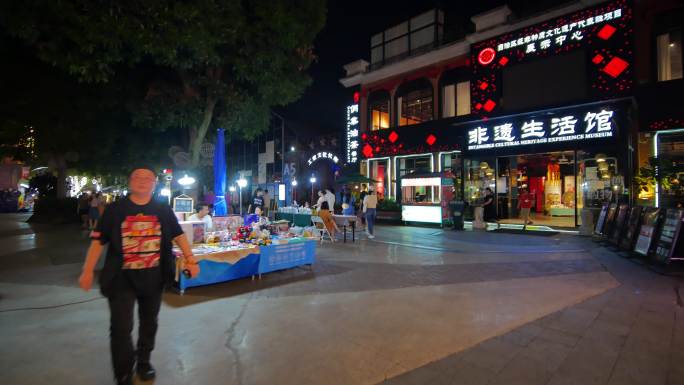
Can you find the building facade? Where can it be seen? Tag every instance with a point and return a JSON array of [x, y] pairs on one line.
[[549, 105]]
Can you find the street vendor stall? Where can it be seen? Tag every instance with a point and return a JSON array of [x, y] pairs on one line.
[[246, 251], [425, 197]]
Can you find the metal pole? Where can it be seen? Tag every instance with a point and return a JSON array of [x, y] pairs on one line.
[[240, 200]]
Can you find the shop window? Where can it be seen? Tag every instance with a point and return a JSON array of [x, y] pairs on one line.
[[415, 103], [669, 51], [456, 99], [601, 177], [379, 170], [413, 165], [380, 113], [451, 162]]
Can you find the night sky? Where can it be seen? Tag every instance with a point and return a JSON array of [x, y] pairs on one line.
[[346, 38]]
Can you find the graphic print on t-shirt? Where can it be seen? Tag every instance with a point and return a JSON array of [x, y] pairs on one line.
[[141, 240]]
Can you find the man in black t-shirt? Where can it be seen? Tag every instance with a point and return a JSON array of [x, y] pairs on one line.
[[257, 201], [138, 232]]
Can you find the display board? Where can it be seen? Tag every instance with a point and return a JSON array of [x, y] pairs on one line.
[[183, 204], [647, 231], [601, 219], [620, 224], [632, 228], [669, 235]]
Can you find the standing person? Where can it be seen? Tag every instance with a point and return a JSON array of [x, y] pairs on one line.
[[138, 232], [267, 203], [489, 206], [257, 201], [330, 198], [363, 194], [94, 211], [83, 206], [321, 199], [525, 201], [370, 202], [348, 203]]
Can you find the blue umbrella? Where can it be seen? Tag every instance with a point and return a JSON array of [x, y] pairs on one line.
[[220, 207]]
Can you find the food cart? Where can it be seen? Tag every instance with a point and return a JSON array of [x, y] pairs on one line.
[[425, 197]]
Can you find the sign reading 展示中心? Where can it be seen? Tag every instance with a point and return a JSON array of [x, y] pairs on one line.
[[563, 126]]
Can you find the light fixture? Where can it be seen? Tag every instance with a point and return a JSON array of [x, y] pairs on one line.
[[186, 180], [312, 179], [242, 182], [484, 165], [231, 188], [165, 192], [39, 168], [603, 166], [125, 192], [672, 45], [600, 157], [294, 182], [292, 148]]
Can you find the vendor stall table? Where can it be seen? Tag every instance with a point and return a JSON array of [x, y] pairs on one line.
[[344, 221], [299, 220], [218, 264]]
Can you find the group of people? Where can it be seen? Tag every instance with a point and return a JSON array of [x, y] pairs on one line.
[[326, 208], [90, 209], [10, 201]]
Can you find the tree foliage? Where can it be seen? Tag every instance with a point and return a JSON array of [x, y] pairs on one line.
[[207, 62]]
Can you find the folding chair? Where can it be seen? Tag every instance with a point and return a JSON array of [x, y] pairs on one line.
[[321, 228]]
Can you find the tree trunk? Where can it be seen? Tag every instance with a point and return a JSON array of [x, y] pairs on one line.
[[198, 135]]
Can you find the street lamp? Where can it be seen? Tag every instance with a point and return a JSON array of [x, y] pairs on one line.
[[186, 180], [292, 148], [313, 181], [242, 183], [294, 189]]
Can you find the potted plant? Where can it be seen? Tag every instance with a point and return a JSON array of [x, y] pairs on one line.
[[388, 210]]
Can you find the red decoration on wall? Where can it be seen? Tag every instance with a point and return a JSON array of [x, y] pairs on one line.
[[615, 67], [484, 85], [597, 59], [430, 140], [503, 61], [489, 105], [478, 106], [356, 97], [367, 151], [364, 136], [486, 56], [606, 32], [393, 136]]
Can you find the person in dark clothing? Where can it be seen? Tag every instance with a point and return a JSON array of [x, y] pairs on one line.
[[139, 233], [489, 206]]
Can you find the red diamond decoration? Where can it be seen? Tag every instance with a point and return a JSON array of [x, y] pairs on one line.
[[484, 85], [615, 67], [431, 139], [489, 105], [367, 150], [478, 106], [393, 137], [597, 59], [364, 136], [606, 32], [503, 61]]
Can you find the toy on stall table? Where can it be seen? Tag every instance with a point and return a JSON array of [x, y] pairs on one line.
[[243, 233]]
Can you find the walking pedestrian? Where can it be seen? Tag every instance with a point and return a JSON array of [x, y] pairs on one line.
[[94, 211], [489, 206], [139, 232], [370, 202], [525, 201]]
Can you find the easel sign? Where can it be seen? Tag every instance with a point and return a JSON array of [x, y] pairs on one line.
[[183, 204]]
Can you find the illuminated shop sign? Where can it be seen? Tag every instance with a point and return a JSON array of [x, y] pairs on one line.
[[563, 127], [323, 155], [560, 35], [353, 130]]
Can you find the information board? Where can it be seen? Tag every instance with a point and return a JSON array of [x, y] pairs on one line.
[[620, 222], [633, 222], [649, 224], [601, 219], [669, 234], [610, 220], [183, 205]]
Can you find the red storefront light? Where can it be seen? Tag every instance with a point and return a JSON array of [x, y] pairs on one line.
[[393, 136], [367, 150], [606, 32], [615, 67], [597, 59], [489, 105], [503, 61], [356, 97], [484, 85], [486, 56], [430, 140]]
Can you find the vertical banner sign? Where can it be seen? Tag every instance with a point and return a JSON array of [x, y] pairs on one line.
[[352, 139], [647, 232]]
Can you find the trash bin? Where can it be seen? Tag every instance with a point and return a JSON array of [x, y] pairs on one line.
[[457, 210]]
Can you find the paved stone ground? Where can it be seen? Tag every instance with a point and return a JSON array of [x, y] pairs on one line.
[[414, 306]]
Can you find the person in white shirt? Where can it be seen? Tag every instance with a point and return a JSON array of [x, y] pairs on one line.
[[321, 199], [330, 198], [203, 215]]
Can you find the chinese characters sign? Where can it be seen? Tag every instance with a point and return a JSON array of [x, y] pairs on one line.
[[558, 36], [352, 133], [323, 155], [563, 127]]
